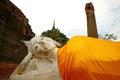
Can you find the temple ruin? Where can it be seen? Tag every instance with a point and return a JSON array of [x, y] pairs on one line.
[[91, 22]]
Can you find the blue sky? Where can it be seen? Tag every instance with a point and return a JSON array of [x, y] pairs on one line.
[[70, 15]]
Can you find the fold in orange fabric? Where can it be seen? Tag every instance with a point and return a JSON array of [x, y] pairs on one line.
[[86, 58]]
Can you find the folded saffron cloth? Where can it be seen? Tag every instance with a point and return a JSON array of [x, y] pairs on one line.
[[86, 58]]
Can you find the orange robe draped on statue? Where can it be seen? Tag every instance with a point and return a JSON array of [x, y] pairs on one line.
[[85, 58]]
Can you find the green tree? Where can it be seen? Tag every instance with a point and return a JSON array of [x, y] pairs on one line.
[[108, 37], [56, 35]]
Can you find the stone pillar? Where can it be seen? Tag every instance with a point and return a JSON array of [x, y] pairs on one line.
[[91, 22]]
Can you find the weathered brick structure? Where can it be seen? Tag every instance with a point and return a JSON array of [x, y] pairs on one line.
[[91, 22]]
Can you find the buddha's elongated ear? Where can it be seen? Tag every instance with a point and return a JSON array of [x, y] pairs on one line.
[[57, 44], [25, 42]]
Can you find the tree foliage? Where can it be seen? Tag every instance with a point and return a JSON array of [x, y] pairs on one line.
[[108, 37], [56, 35]]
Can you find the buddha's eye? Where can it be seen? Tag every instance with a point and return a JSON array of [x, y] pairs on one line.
[[36, 46]]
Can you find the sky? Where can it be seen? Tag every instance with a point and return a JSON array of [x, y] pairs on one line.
[[70, 16]]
